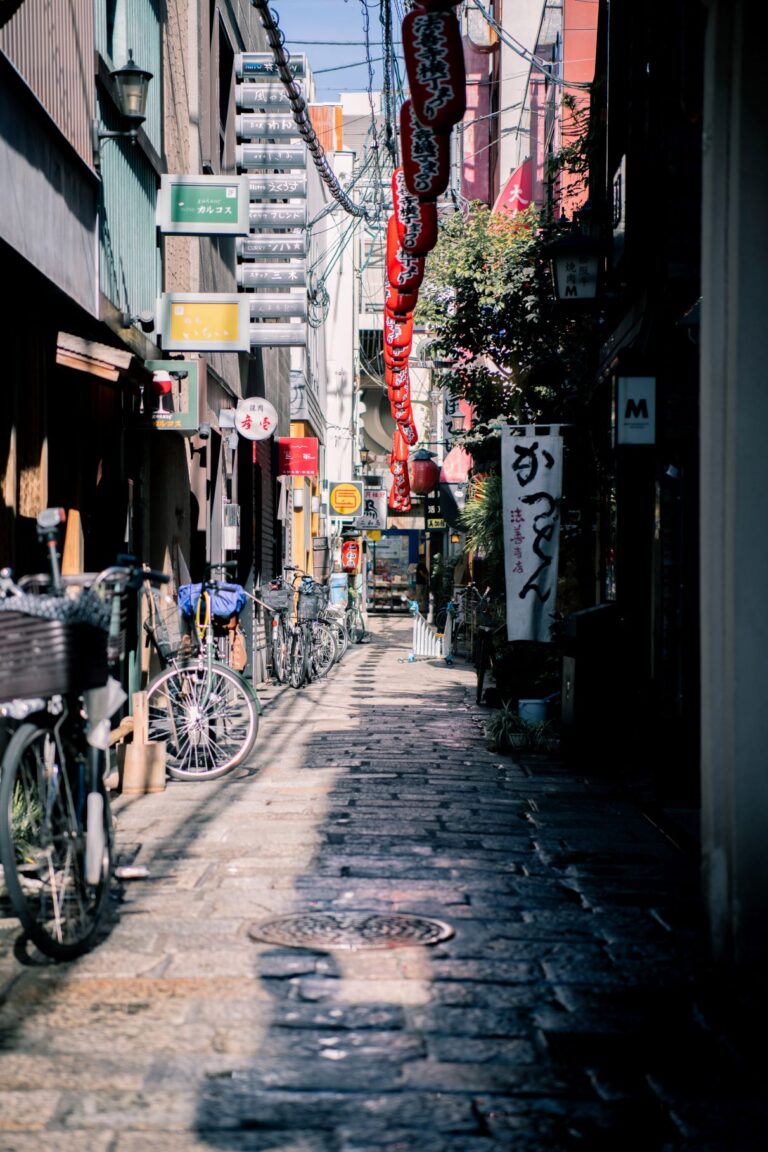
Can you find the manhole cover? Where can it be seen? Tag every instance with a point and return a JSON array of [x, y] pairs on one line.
[[353, 931]]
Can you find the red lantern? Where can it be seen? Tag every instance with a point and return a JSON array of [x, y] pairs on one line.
[[398, 330], [426, 156], [350, 555], [424, 473], [434, 61], [416, 219], [405, 272], [400, 302]]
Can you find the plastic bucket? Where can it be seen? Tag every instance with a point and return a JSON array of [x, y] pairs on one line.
[[532, 711]]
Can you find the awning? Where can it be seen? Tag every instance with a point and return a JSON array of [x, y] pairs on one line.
[[89, 356]]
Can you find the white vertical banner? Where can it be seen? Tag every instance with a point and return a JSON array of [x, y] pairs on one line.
[[531, 491]]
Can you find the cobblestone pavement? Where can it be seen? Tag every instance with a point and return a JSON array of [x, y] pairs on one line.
[[566, 1010]]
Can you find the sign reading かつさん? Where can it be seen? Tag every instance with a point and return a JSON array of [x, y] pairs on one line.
[[345, 499], [255, 418]]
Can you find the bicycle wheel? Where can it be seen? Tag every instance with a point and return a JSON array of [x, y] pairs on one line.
[[209, 723], [43, 833], [355, 625], [280, 641], [323, 649], [342, 636], [297, 659]]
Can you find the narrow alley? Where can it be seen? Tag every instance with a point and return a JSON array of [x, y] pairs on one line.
[[482, 953]]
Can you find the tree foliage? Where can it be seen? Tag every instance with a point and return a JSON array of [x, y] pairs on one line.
[[488, 306]]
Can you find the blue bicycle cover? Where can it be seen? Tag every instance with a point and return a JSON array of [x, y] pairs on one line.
[[227, 600]]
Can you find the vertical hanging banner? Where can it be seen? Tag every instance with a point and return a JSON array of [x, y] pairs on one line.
[[531, 469]]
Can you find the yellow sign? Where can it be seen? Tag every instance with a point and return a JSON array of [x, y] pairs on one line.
[[205, 321], [345, 499], [374, 534], [200, 321]]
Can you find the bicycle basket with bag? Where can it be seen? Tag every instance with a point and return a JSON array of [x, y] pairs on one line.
[[227, 600]]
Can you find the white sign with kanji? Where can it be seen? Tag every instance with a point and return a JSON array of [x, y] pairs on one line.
[[255, 418]]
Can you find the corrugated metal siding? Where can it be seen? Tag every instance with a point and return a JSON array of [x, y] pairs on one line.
[[130, 261], [129, 265], [136, 27], [52, 47]]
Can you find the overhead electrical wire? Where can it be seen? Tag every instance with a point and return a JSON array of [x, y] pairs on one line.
[[276, 41]]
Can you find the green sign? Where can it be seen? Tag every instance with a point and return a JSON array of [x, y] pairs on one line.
[[204, 205], [171, 402], [191, 202]]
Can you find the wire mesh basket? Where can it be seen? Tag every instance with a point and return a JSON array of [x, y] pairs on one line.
[[276, 598], [164, 624], [48, 657], [310, 604]]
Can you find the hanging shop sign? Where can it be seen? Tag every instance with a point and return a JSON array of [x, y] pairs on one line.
[[269, 335], [174, 408], [281, 247], [277, 215], [345, 499], [405, 272], [204, 205], [255, 418], [434, 61], [416, 219], [636, 410], [266, 125], [204, 322], [252, 95], [374, 515], [531, 494], [249, 156], [258, 65], [271, 275], [297, 456], [426, 156], [278, 186], [283, 304]]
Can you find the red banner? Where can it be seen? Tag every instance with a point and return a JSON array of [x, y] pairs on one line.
[[297, 456], [516, 193]]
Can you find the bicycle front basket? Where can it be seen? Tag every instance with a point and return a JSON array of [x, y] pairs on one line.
[[310, 605], [42, 657], [276, 598]]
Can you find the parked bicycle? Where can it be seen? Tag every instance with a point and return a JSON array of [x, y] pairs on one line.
[[60, 640], [355, 620], [206, 712]]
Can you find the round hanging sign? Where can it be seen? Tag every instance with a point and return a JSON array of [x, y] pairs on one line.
[[255, 418]]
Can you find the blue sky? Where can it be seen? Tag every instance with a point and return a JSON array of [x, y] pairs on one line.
[[338, 21]]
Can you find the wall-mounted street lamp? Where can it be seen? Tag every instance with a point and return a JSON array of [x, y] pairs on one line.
[[365, 456], [131, 87]]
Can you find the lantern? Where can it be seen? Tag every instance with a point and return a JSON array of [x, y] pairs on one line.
[[405, 271], [350, 555], [424, 473], [400, 302], [434, 61], [416, 219], [426, 156], [398, 331]]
